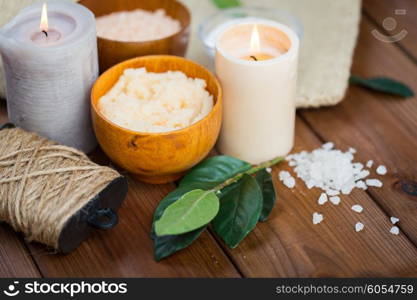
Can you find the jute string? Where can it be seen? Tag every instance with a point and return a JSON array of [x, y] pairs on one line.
[[43, 184]]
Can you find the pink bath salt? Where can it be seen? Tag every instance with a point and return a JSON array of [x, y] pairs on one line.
[[137, 25]]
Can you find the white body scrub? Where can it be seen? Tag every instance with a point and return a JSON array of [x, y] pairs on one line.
[[156, 102]]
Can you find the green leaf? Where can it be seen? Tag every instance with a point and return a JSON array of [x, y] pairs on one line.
[[222, 4], [384, 85], [206, 175], [166, 245], [240, 209], [213, 171], [168, 200], [165, 202], [192, 211], [264, 180]]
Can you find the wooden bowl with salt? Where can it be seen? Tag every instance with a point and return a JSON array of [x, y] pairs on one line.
[[112, 51], [157, 157]]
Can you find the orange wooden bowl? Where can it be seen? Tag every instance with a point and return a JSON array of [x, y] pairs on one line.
[[112, 52], [157, 157]]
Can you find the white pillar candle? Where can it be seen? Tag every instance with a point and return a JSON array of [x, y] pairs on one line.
[[50, 69], [257, 67]]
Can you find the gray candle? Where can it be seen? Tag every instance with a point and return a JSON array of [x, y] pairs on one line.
[[50, 66]]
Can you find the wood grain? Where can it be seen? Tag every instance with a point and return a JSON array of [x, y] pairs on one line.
[[381, 127], [15, 260], [289, 245], [380, 10], [112, 52], [157, 157], [3, 112]]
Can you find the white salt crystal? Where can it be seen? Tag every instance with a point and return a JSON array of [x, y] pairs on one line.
[[352, 150], [362, 174], [284, 174], [373, 182], [269, 170], [124, 25], [359, 226], [317, 218], [357, 208], [348, 187], [310, 184], [358, 165], [330, 169], [289, 182], [328, 146], [322, 198], [394, 220], [335, 200], [361, 185], [357, 168], [395, 230], [381, 170], [369, 164], [331, 192]]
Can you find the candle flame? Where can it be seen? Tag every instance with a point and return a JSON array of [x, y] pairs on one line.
[[255, 41], [44, 18]]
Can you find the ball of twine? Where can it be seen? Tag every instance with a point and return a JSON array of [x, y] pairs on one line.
[[43, 184]]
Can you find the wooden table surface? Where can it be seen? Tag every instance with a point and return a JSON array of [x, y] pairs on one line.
[[380, 127]]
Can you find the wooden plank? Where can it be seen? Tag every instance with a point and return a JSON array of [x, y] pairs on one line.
[[380, 10], [381, 127], [289, 245], [127, 250], [3, 112], [15, 260]]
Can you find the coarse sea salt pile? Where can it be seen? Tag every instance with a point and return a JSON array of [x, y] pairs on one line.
[[137, 25], [336, 173], [332, 170]]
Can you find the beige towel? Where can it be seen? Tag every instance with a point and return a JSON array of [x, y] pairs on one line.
[[330, 32]]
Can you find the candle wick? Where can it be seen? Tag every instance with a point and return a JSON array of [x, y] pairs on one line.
[[254, 57], [46, 33]]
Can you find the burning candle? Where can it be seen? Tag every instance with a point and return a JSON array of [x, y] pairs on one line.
[[50, 60], [257, 66], [45, 36]]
